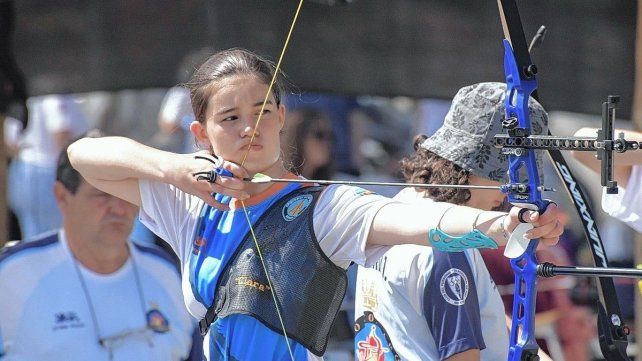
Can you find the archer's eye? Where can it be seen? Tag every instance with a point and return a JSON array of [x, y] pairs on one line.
[[230, 118]]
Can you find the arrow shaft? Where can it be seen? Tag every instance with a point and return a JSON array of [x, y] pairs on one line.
[[389, 184]]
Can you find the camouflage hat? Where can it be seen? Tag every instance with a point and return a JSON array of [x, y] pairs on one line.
[[466, 137]]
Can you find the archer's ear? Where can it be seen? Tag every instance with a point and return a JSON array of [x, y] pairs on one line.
[[200, 133], [281, 112]]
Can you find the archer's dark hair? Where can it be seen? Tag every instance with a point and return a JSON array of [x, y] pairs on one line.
[[65, 173], [427, 167], [226, 63]]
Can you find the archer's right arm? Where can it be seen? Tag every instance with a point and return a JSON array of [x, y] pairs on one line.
[[116, 164]]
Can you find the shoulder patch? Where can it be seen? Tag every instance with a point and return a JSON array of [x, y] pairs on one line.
[[296, 206], [454, 286], [371, 341]]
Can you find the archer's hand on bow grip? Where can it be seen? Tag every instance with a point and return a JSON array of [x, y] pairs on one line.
[[546, 225]]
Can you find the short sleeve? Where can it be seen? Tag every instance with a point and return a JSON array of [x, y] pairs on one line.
[[343, 217], [170, 213], [626, 205], [451, 305]]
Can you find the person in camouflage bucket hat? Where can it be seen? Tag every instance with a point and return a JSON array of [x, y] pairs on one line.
[[466, 137], [461, 152]]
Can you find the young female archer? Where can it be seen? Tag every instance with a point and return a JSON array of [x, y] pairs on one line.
[[244, 294]]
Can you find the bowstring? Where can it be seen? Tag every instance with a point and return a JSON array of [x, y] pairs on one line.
[[247, 151]]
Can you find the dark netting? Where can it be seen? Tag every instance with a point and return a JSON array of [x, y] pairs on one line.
[[308, 286]]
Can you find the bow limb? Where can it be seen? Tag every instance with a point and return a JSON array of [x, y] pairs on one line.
[[277, 304]]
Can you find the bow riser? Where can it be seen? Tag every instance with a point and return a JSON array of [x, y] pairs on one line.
[[522, 167]]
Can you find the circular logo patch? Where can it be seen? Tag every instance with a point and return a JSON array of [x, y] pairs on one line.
[[454, 287], [295, 206], [157, 322], [371, 341]]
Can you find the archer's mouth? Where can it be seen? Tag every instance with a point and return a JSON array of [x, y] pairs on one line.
[[253, 147]]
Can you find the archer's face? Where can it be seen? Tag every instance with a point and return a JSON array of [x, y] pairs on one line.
[[232, 111]]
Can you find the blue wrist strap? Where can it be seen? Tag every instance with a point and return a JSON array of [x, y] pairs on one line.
[[447, 243]]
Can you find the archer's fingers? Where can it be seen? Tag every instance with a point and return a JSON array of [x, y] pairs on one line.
[[554, 236], [234, 193], [231, 183], [552, 213], [548, 230], [236, 169]]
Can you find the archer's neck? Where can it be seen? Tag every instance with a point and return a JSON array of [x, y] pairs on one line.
[[276, 170]]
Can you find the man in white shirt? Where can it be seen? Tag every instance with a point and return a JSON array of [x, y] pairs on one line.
[[84, 292]]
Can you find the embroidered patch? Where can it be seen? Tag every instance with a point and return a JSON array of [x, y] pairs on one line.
[[457, 287], [156, 321], [295, 206], [371, 340]]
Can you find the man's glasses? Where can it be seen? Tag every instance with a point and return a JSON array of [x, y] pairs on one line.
[[115, 341]]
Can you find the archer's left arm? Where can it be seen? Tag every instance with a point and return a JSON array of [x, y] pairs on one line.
[[410, 223]]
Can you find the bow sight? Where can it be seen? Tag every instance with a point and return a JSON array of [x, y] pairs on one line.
[[517, 141]]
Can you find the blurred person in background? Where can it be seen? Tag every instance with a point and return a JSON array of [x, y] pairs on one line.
[[12, 133], [176, 115], [626, 205], [308, 146], [54, 121], [308, 151], [419, 303], [84, 292]]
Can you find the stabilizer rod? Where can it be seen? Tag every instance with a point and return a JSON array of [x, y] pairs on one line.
[[550, 270]]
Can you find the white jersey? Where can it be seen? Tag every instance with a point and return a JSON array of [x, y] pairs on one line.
[[46, 315], [342, 220], [49, 114], [417, 303], [627, 204]]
